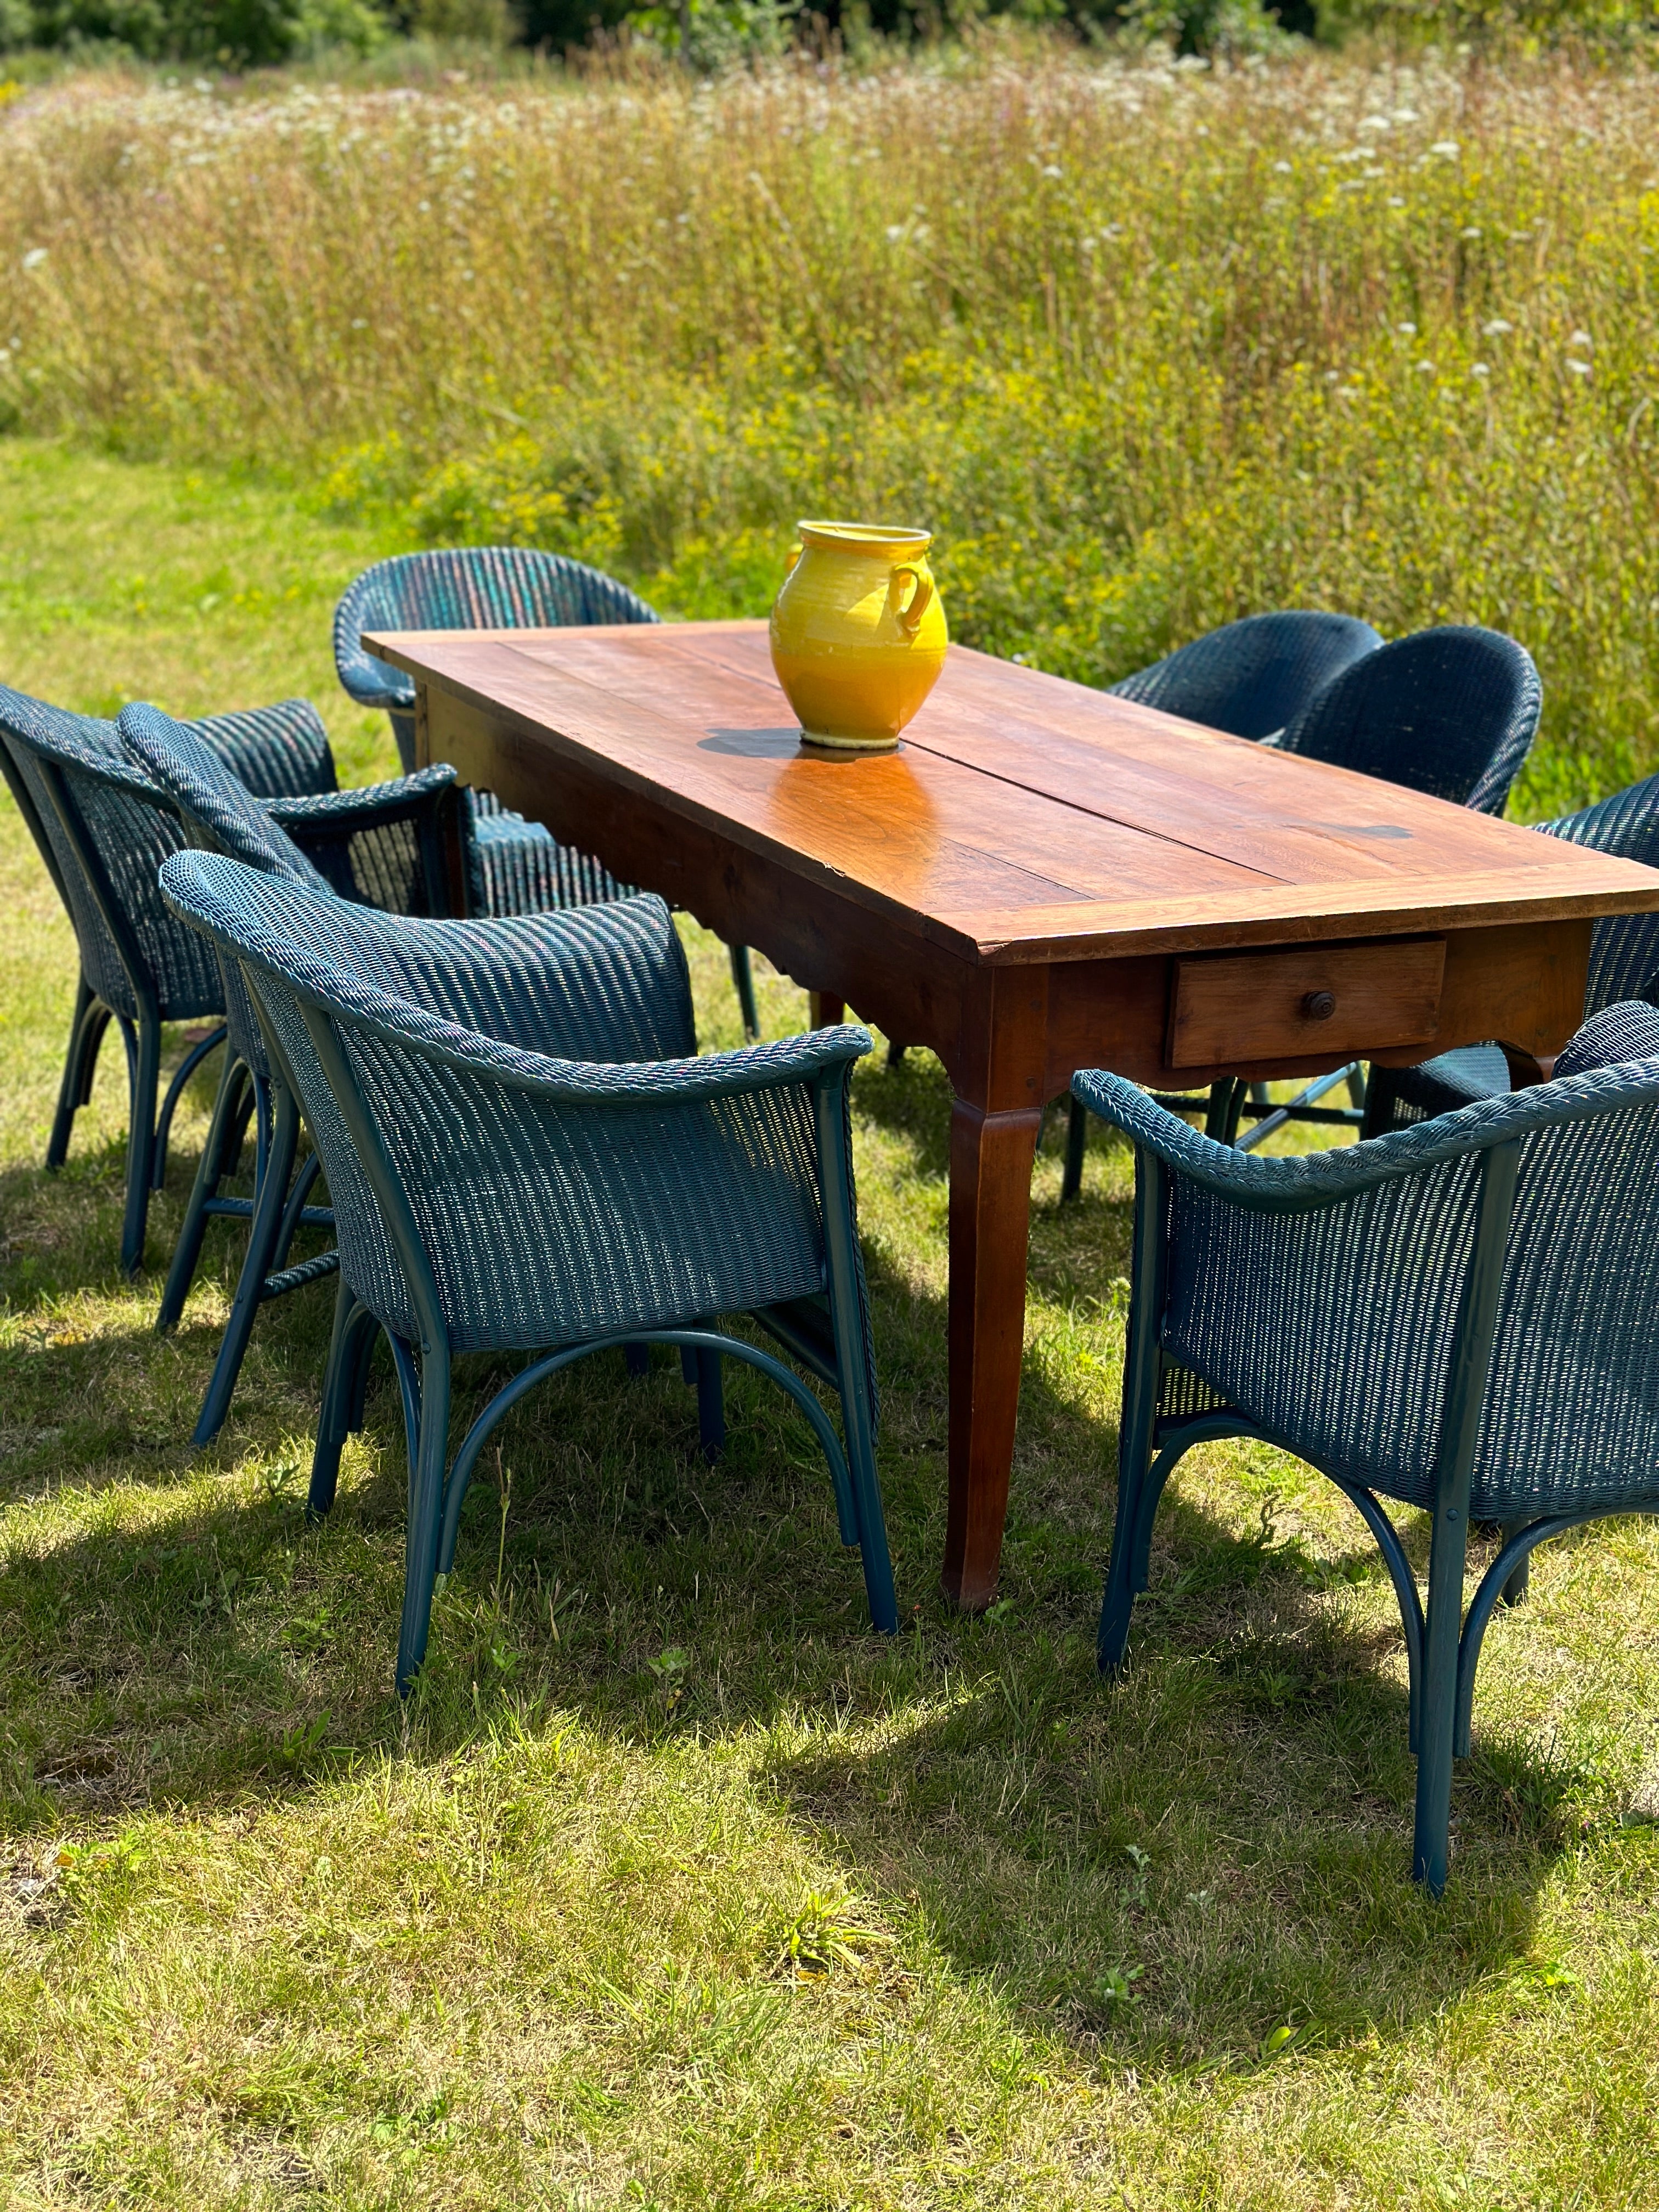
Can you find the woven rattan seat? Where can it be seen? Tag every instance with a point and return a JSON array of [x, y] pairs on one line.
[[516, 866], [524, 1154], [1253, 677], [1459, 1315]]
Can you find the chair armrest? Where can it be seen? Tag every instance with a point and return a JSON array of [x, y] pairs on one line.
[[338, 812], [373, 683], [602, 1083], [1303, 1183], [396, 846]]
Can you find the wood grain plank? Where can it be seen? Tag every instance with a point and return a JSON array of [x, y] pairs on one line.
[[987, 832]]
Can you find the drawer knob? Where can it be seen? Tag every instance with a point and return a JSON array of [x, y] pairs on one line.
[[1319, 1006]]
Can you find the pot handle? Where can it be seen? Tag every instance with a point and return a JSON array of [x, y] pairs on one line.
[[908, 618]]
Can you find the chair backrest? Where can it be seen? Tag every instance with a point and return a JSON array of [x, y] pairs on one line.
[[464, 588], [277, 752], [1253, 677], [1624, 947], [536, 1198], [1452, 712], [218, 806], [105, 829]]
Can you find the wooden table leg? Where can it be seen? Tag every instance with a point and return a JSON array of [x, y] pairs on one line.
[[824, 1012], [994, 1140]]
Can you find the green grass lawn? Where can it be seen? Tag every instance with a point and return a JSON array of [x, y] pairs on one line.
[[674, 1886]]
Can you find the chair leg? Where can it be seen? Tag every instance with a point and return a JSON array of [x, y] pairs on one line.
[[1225, 1109], [1515, 1589], [345, 1382], [210, 1170], [270, 1200], [847, 1324], [743, 980], [426, 1506], [1379, 1103], [895, 1053], [1077, 1137], [1137, 1425], [1448, 1549], [144, 1073], [711, 1405], [636, 1358], [87, 1026], [187, 1067]]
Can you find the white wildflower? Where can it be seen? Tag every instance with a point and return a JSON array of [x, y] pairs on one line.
[[1425, 368], [34, 257], [1472, 230], [1396, 200], [1497, 328], [1051, 169], [1480, 369], [1448, 149], [1406, 330], [1581, 338], [1579, 367], [1283, 168]]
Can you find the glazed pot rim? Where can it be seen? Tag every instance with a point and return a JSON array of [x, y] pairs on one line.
[[864, 537]]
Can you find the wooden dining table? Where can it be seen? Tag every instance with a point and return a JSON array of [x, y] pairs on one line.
[[1042, 879]]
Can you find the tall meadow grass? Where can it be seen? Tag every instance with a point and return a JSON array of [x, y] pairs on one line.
[[1148, 345]]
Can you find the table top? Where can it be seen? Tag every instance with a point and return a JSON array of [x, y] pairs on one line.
[[1024, 818]]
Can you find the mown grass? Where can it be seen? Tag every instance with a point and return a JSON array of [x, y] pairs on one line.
[[1148, 347], [674, 1886]]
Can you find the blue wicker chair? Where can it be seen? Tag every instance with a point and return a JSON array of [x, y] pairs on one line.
[[1452, 712], [518, 868], [524, 1156], [1254, 678], [1623, 956], [1463, 1316], [102, 839], [390, 846]]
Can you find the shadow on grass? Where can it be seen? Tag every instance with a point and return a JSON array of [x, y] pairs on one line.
[[1163, 1869]]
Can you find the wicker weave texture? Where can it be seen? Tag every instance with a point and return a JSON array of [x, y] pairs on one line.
[[1624, 947], [1320, 1295], [1450, 711], [364, 845], [1624, 956], [516, 867], [570, 1170], [278, 752], [467, 587], [1253, 677]]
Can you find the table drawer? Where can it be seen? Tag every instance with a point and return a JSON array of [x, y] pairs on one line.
[[1297, 1001]]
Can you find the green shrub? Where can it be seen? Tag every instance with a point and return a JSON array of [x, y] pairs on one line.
[[226, 30]]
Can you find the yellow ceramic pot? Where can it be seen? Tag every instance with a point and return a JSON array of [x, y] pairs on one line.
[[857, 633]]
